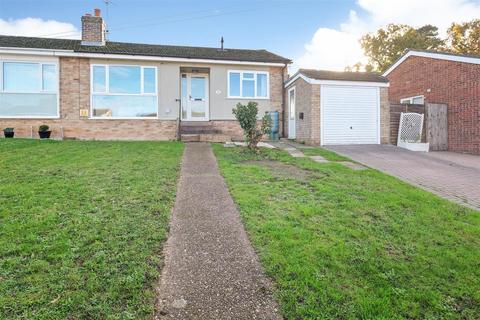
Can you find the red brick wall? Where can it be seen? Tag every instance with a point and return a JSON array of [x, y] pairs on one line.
[[454, 83]]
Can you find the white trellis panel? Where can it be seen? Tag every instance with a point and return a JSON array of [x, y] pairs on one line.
[[410, 132], [411, 126]]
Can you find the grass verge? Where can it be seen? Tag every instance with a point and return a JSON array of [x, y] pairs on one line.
[[82, 226], [327, 154], [345, 244]]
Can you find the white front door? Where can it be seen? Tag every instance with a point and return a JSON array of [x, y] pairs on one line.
[[194, 89], [291, 114]]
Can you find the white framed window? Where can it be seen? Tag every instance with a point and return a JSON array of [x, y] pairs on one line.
[[29, 89], [243, 84], [413, 100], [123, 91]]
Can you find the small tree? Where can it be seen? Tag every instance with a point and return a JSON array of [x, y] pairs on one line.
[[247, 116]]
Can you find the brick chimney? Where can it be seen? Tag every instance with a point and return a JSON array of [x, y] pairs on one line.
[[93, 29]]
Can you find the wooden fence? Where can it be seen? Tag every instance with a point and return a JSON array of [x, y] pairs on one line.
[[434, 125]]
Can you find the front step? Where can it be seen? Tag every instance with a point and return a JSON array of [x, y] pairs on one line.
[[198, 130], [191, 127], [190, 137], [205, 138]]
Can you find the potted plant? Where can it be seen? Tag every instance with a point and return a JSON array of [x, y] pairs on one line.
[[8, 132], [43, 131]]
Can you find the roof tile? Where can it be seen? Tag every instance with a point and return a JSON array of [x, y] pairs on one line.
[[144, 49], [342, 76]]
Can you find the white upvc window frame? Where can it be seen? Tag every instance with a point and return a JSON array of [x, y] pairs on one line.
[[255, 72], [409, 100], [108, 93], [40, 64]]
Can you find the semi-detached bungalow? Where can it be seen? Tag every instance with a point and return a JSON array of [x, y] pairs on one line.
[[97, 89]]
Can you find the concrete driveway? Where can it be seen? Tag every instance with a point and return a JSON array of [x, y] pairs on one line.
[[453, 176]]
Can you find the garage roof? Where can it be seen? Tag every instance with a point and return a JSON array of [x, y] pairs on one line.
[[342, 76], [323, 76]]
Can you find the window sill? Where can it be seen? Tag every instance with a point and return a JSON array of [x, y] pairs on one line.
[[243, 98], [30, 117], [125, 118]]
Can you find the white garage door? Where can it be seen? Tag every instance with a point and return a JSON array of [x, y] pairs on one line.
[[349, 114]]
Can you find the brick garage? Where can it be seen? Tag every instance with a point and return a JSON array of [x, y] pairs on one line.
[[443, 78], [309, 85]]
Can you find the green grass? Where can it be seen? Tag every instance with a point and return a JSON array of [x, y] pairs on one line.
[[350, 244], [327, 154], [82, 226]]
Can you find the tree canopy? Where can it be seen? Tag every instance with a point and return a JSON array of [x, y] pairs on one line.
[[386, 45], [464, 37]]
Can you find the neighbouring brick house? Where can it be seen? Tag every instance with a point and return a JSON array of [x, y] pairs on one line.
[[98, 89], [431, 77], [327, 107]]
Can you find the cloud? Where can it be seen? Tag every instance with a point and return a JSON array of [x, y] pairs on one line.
[[35, 27], [334, 49], [330, 49]]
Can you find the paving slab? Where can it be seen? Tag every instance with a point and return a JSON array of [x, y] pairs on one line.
[[211, 270], [319, 159], [454, 176], [296, 154], [296, 144]]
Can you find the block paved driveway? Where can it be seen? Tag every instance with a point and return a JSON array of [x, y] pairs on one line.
[[453, 176]]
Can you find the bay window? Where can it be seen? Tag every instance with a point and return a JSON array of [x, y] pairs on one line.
[[28, 89], [248, 84], [124, 91]]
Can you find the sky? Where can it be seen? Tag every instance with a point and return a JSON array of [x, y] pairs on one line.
[[321, 34]]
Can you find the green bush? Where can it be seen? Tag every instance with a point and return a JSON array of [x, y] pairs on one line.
[[43, 128], [8, 130], [247, 116]]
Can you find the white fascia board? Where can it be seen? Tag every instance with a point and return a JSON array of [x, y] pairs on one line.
[[351, 83], [70, 53], [337, 82], [432, 55], [289, 82]]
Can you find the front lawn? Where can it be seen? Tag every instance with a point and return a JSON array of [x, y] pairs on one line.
[[345, 244], [82, 226]]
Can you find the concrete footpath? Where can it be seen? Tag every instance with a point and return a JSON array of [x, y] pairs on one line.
[[211, 270]]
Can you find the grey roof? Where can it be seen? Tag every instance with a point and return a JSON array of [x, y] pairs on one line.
[[144, 49], [342, 76]]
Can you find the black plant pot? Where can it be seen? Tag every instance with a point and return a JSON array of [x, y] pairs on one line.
[[44, 134], [9, 134]]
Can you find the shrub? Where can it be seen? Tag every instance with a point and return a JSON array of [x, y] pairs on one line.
[[247, 116], [43, 128], [8, 130]]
